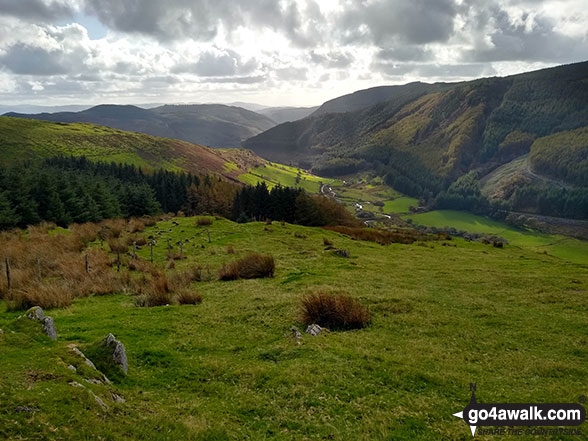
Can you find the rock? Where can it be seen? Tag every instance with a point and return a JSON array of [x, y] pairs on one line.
[[87, 361], [26, 409], [1, 332], [49, 328], [119, 355], [92, 381], [314, 330], [75, 384], [342, 253], [118, 398], [295, 333], [37, 314], [99, 401], [72, 368]]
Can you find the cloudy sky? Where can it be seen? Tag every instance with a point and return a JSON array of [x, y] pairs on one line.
[[273, 52]]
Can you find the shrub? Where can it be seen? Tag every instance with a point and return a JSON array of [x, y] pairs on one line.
[[327, 242], [153, 297], [51, 295], [253, 266], [203, 221], [187, 297], [86, 233], [117, 246], [230, 249], [334, 311], [136, 225]]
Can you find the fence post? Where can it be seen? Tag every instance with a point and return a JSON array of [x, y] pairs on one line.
[[118, 261], [151, 244], [134, 250], [208, 232], [87, 264], [7, 273]]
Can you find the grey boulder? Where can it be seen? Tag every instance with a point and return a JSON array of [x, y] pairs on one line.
[[37, 314], [119, 355]]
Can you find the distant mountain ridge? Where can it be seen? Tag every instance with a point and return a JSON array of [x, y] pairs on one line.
[[214, 125], [285, 114]]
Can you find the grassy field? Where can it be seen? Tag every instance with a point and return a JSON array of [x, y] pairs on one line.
[[511, 320], [566, 248], [273, 174], [400, 205]]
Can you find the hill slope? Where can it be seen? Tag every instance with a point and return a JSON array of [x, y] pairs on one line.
[[22, 139], [229, 369], [362, 99], [285, 114], [445, 129], [207, 124]]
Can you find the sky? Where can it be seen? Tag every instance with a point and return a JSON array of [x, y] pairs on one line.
[[272, 52]]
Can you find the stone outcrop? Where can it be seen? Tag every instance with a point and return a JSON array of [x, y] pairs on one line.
[[36, 314]]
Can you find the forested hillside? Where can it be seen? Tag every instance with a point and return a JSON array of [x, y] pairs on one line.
[[423, 140], [212, 125]]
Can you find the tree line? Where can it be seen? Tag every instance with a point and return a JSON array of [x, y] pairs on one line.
[[64, 190]]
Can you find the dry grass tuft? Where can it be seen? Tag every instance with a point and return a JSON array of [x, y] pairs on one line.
[[253, 266], [187, 296], [136, 226], [203, 221], [334, 311]]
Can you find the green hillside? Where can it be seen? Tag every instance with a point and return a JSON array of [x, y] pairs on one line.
[[228, 369], [212, 125], [427, 136], [26, 139]]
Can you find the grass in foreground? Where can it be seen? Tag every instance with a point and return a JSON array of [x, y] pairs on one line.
[[511, 320]]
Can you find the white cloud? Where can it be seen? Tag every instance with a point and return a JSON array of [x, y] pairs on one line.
[[288, 52]]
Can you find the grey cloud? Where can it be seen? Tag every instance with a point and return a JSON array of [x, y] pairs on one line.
[[36, 9], [336, 59], [29, 60], [212, 64], [292, 73], [200, 19], [516, 42], [239, 80], [416, 21], [426, 70], [405, 53]]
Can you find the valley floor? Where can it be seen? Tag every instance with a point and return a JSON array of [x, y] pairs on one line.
[[511, 320]]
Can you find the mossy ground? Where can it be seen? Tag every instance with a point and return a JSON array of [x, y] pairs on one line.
[[511, 320]]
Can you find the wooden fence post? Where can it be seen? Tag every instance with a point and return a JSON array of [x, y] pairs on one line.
[[118, 261], [7, 273], [87, 264], [208, 232], [151, 244]]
